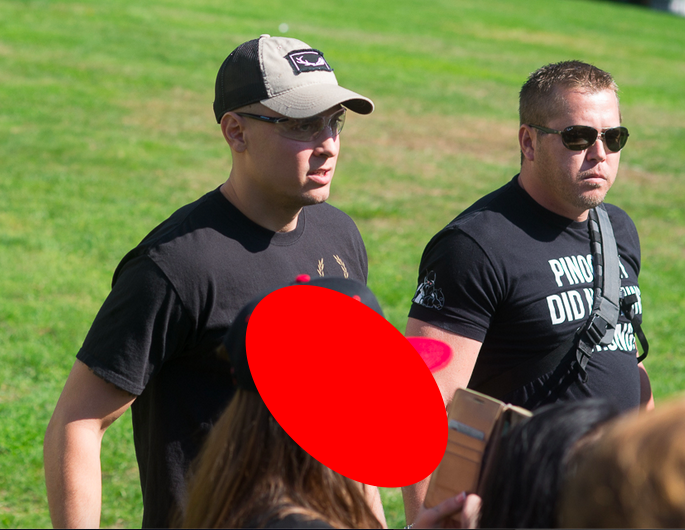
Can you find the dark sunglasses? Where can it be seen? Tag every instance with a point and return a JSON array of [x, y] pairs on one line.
[[306, 129], [580, 137]]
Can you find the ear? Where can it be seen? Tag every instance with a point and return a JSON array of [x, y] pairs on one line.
[[232, 127], [527, 140]]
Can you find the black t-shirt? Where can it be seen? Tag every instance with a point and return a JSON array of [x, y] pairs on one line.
[[518, 278], [173, 298]]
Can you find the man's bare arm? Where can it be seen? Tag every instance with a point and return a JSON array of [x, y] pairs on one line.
[[87, 406], [456, 374]]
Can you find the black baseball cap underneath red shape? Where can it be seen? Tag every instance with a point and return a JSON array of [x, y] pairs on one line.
[[234, 341]]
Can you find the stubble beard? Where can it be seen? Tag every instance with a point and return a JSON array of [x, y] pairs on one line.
[[586, 200], [574, 191], [588, 203]]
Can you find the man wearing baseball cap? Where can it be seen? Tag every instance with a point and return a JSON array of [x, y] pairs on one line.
[[151, 346]]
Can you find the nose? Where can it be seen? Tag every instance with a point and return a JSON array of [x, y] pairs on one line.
[[598, 150], [327, 143]]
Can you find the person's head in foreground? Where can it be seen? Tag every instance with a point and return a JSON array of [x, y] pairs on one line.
[[281, 111], [524, 479], [251, 473], [634, 477], [570, 137]]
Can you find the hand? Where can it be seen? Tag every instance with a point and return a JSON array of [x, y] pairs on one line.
[[442, 515]]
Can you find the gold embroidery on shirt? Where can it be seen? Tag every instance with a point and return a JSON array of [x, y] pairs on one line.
[[320, 268], [342, 265]]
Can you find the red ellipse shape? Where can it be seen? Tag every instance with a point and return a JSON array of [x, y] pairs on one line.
[[345, 385], [435, 353]]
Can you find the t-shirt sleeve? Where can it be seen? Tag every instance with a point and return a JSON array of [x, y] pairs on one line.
[[141, 324], [458, 286]]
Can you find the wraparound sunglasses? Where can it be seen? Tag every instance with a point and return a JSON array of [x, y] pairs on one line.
[[581, 137]]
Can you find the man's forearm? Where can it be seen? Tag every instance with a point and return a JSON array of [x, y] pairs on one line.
[[72, 475], [413, 497]]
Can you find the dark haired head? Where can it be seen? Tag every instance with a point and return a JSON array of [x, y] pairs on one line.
[[528, 469]]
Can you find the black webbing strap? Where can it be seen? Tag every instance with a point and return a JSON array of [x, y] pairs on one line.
[[599, 328], [628, 308]]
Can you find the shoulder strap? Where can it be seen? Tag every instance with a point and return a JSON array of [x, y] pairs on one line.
[[600, 326], [605, 313]]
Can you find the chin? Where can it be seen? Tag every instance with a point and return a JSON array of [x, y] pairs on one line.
[[311, 201], [315, 197], [591, 200]]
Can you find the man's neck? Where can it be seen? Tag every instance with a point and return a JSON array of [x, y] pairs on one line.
[[265, 215]]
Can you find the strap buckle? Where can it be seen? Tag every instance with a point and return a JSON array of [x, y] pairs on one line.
[[628, 306], [596, 328]]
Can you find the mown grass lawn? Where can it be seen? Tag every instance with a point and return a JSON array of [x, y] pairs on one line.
[[106, 127]]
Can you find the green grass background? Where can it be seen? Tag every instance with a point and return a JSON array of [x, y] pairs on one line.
[[106, 127]]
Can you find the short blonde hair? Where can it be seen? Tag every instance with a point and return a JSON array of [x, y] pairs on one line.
[[540, 99]]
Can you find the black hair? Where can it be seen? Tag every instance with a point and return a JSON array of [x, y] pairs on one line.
[[523, 485]]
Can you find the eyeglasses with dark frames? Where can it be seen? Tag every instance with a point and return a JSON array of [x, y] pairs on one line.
[[305, 129], [581, 137]]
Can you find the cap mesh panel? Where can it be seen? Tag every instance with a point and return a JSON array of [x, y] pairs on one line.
[[239, 81]]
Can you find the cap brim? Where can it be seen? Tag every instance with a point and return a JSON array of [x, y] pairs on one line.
[[307, 101]]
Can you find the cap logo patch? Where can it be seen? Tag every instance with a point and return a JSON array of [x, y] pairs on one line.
[[307, 61]]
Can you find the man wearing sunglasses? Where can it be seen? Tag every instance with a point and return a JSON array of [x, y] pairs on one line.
[[510, 280], [151, 346]]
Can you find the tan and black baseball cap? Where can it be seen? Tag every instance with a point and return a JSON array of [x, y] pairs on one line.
[[285, 75]]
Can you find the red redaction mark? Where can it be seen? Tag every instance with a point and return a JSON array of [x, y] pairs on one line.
[[345, 384], [435, 353]]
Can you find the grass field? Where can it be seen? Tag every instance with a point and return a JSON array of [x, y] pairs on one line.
[[106, 127]]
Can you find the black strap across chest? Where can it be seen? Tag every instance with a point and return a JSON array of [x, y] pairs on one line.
[[598, 329]]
